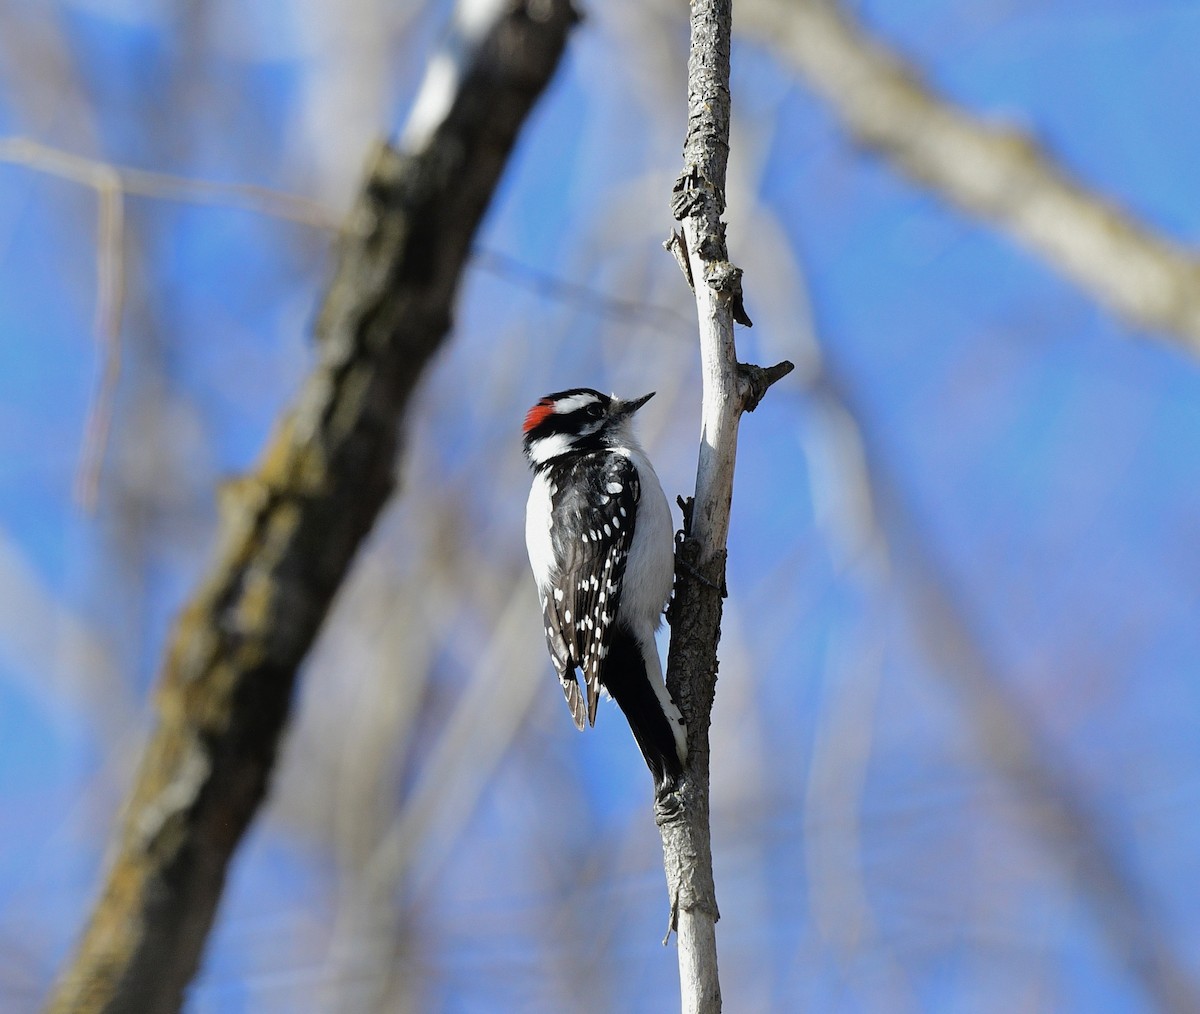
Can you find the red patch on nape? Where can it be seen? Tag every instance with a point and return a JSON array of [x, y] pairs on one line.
[[537, 415]]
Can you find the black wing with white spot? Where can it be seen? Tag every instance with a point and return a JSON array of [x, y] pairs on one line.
[[593, 495]]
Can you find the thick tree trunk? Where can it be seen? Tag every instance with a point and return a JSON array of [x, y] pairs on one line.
[[290, 529]]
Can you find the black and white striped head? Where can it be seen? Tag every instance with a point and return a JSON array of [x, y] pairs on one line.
[[578, 420]]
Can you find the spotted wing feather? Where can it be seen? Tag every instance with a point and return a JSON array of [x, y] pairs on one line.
[[560, 655], [594, 496]]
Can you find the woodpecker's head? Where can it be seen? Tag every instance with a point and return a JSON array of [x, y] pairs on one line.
[[578, 420]]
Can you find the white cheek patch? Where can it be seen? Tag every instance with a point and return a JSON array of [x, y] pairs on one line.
[[543, 450]]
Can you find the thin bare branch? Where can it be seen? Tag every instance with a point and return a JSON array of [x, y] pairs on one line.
[[1014, 741], [729, 389], [98, 174], [112, 183], [290, 530], [106, 326], [551, 286], [992, 171]]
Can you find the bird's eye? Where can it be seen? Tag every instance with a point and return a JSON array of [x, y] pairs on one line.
[[595, 411]]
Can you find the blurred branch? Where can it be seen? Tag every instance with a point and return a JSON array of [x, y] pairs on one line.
[[878, 540], [111, 184], [470, 747], [106, 326], [730, 389], [996, 173], [1011, 738], [844, 514], [551, 286], [290, 529], [462, 760], [50, 649], [98, 175]]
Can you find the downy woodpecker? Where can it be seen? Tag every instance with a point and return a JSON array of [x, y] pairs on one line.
[[600, 542]]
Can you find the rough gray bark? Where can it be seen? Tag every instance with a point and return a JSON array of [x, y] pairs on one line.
[[992, 171], [729, 390], [290, 529]]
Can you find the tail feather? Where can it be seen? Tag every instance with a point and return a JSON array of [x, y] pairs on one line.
[[624, 675], [574, 698]]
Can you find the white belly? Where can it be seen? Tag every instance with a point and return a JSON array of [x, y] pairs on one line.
[[537, 532], [651, 565]]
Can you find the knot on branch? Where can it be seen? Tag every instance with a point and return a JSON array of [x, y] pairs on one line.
[[695, 194], [668, 806], [241, 499], [686, 506], [687, 554], [394, 179], [755, 381], [687, 855], [725, 279]]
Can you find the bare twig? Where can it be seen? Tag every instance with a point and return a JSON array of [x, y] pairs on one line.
[[892, 544], [413, 848], [729, 390], [98, 174], [1003, 177], [112, 183], [860, 507], [551, 286], [106, 326], [991, 171], [290, 530], [1014, 741]]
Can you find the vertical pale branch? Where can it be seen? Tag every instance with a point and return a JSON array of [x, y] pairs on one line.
[[730, 389], [290, 529], [112, 185], [110, 298]]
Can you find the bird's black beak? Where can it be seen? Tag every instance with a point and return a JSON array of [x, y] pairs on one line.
[[627, 408]]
